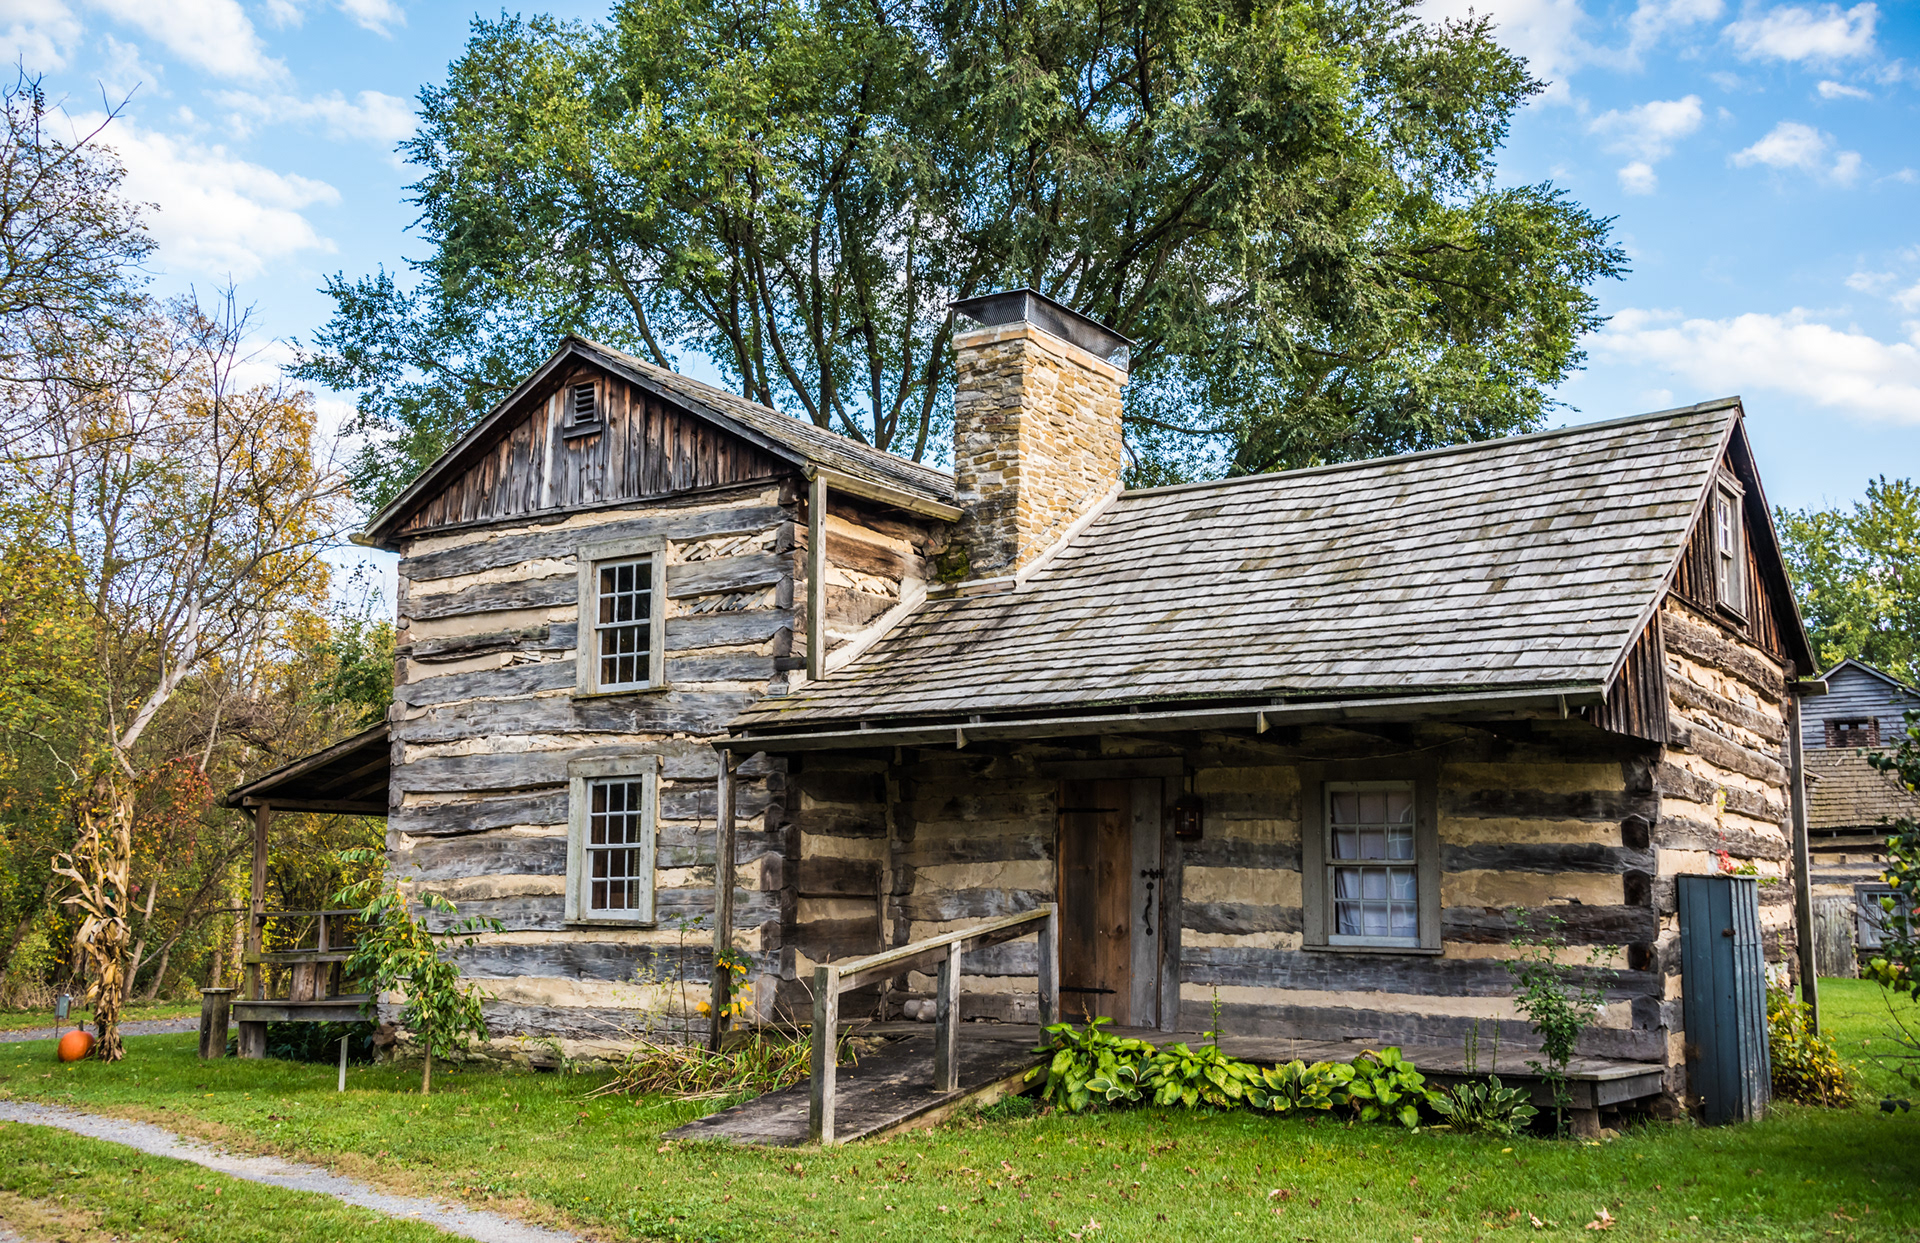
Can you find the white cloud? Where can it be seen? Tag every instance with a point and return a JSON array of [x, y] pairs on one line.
[[1652, 20], [378, 16], [1840, 90], [218, 215], [1647, 133], [1908, 299], [375, 15], [1791, 145], [1797, 33], [213, 35], [1870, 282], [1791, 353], [1639, 178], [371, 115], [1546, 32], [37, 34]]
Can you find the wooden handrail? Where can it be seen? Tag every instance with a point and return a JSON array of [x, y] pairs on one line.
[[284, 957], [832, 979], [303, 914]]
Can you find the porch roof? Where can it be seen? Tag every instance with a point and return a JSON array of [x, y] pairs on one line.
[[349, 777], [1523, 565]]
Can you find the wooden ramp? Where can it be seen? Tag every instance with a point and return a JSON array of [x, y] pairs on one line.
[[890, 1090]]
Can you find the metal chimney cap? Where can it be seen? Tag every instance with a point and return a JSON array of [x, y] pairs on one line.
[[1015, 306]]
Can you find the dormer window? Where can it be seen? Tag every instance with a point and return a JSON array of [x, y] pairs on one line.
[[1854, 732], [1729, 549], [582, 409]]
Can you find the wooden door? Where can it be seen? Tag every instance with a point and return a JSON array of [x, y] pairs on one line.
[[1109, 942]]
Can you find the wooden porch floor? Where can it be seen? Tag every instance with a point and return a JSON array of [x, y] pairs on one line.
[[891, 1087]]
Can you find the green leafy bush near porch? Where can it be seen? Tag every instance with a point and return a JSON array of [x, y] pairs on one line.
[[1091, 1068]]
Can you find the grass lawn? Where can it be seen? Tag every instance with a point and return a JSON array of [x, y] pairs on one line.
[[28, 1020], [61, 1187], [531, 1145]]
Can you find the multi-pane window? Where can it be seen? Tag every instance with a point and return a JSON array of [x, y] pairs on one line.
[[1729, 566], [612, 816], [1373, 879], [616, 823], [622, 613], [623, 622], [1859, 732]]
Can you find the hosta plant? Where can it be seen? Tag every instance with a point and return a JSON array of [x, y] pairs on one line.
[[1181, 1075], [1296, 1085], [1486, 1106], [1090, 1066], [1386, 1086]]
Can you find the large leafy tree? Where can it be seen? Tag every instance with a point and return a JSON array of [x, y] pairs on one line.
[[1290, 205], [1857, 572]]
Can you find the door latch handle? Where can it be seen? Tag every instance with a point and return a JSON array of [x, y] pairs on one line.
[[1151, 875]]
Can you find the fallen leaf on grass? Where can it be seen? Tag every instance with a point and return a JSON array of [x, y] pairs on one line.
[[1537, 1223], [1280, 1193], [1602, 1220]]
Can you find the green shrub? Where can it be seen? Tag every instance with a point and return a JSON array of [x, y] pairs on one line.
[[1386, 1086], [1485, 1106], [1283, 1089], [1805, 1067], [1179, 1075], [1084, 1058]]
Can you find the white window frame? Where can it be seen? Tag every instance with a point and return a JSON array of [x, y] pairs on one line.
[[1728, 531], [592, 558], [1319, 784], [582, 775], [1870, 930]]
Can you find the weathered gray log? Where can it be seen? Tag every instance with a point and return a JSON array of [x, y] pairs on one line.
[[499, 551]]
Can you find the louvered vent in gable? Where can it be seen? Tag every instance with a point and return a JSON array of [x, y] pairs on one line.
[[583, 414]]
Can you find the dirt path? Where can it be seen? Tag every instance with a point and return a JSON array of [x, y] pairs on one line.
[[274, 1172], [140, 1027]]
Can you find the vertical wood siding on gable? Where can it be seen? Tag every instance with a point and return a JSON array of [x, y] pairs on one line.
[[649, 448], [1768, 616]]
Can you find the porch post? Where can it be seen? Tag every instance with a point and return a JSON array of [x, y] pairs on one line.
[[826, 1046], [1802, 864], [946, 1023], [723, 880], [253, 1035], [1049, 969], [816, 577]]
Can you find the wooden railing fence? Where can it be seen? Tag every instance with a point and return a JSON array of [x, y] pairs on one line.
[[830, 980]]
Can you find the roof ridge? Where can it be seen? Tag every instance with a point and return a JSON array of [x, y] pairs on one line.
[[1720, 403]]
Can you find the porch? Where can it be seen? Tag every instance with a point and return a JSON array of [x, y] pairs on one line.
[[891, 1089]]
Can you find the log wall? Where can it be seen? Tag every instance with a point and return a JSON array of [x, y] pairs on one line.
[[485, 722], [1547, 816]]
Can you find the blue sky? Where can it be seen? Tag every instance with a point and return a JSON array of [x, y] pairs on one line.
[[1760, 159]]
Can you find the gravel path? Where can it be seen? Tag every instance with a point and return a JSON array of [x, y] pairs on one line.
[[453, 1218], [141, 1027]]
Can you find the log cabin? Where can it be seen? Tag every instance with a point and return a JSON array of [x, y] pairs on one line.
[[1297, 754]]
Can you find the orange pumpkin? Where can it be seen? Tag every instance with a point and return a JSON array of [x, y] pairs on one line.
[[75, 1045]]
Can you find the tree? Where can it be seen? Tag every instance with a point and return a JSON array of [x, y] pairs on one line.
[[1857, 573], [1289, 206], [396, 952], [70, 243], [195, 508]]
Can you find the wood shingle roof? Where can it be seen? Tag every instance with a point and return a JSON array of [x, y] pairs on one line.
[[1528, 562]]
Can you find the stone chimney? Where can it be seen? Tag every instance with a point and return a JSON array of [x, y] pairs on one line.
[[1036, 426]]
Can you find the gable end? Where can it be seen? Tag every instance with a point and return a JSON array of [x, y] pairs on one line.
[[540, 457]]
